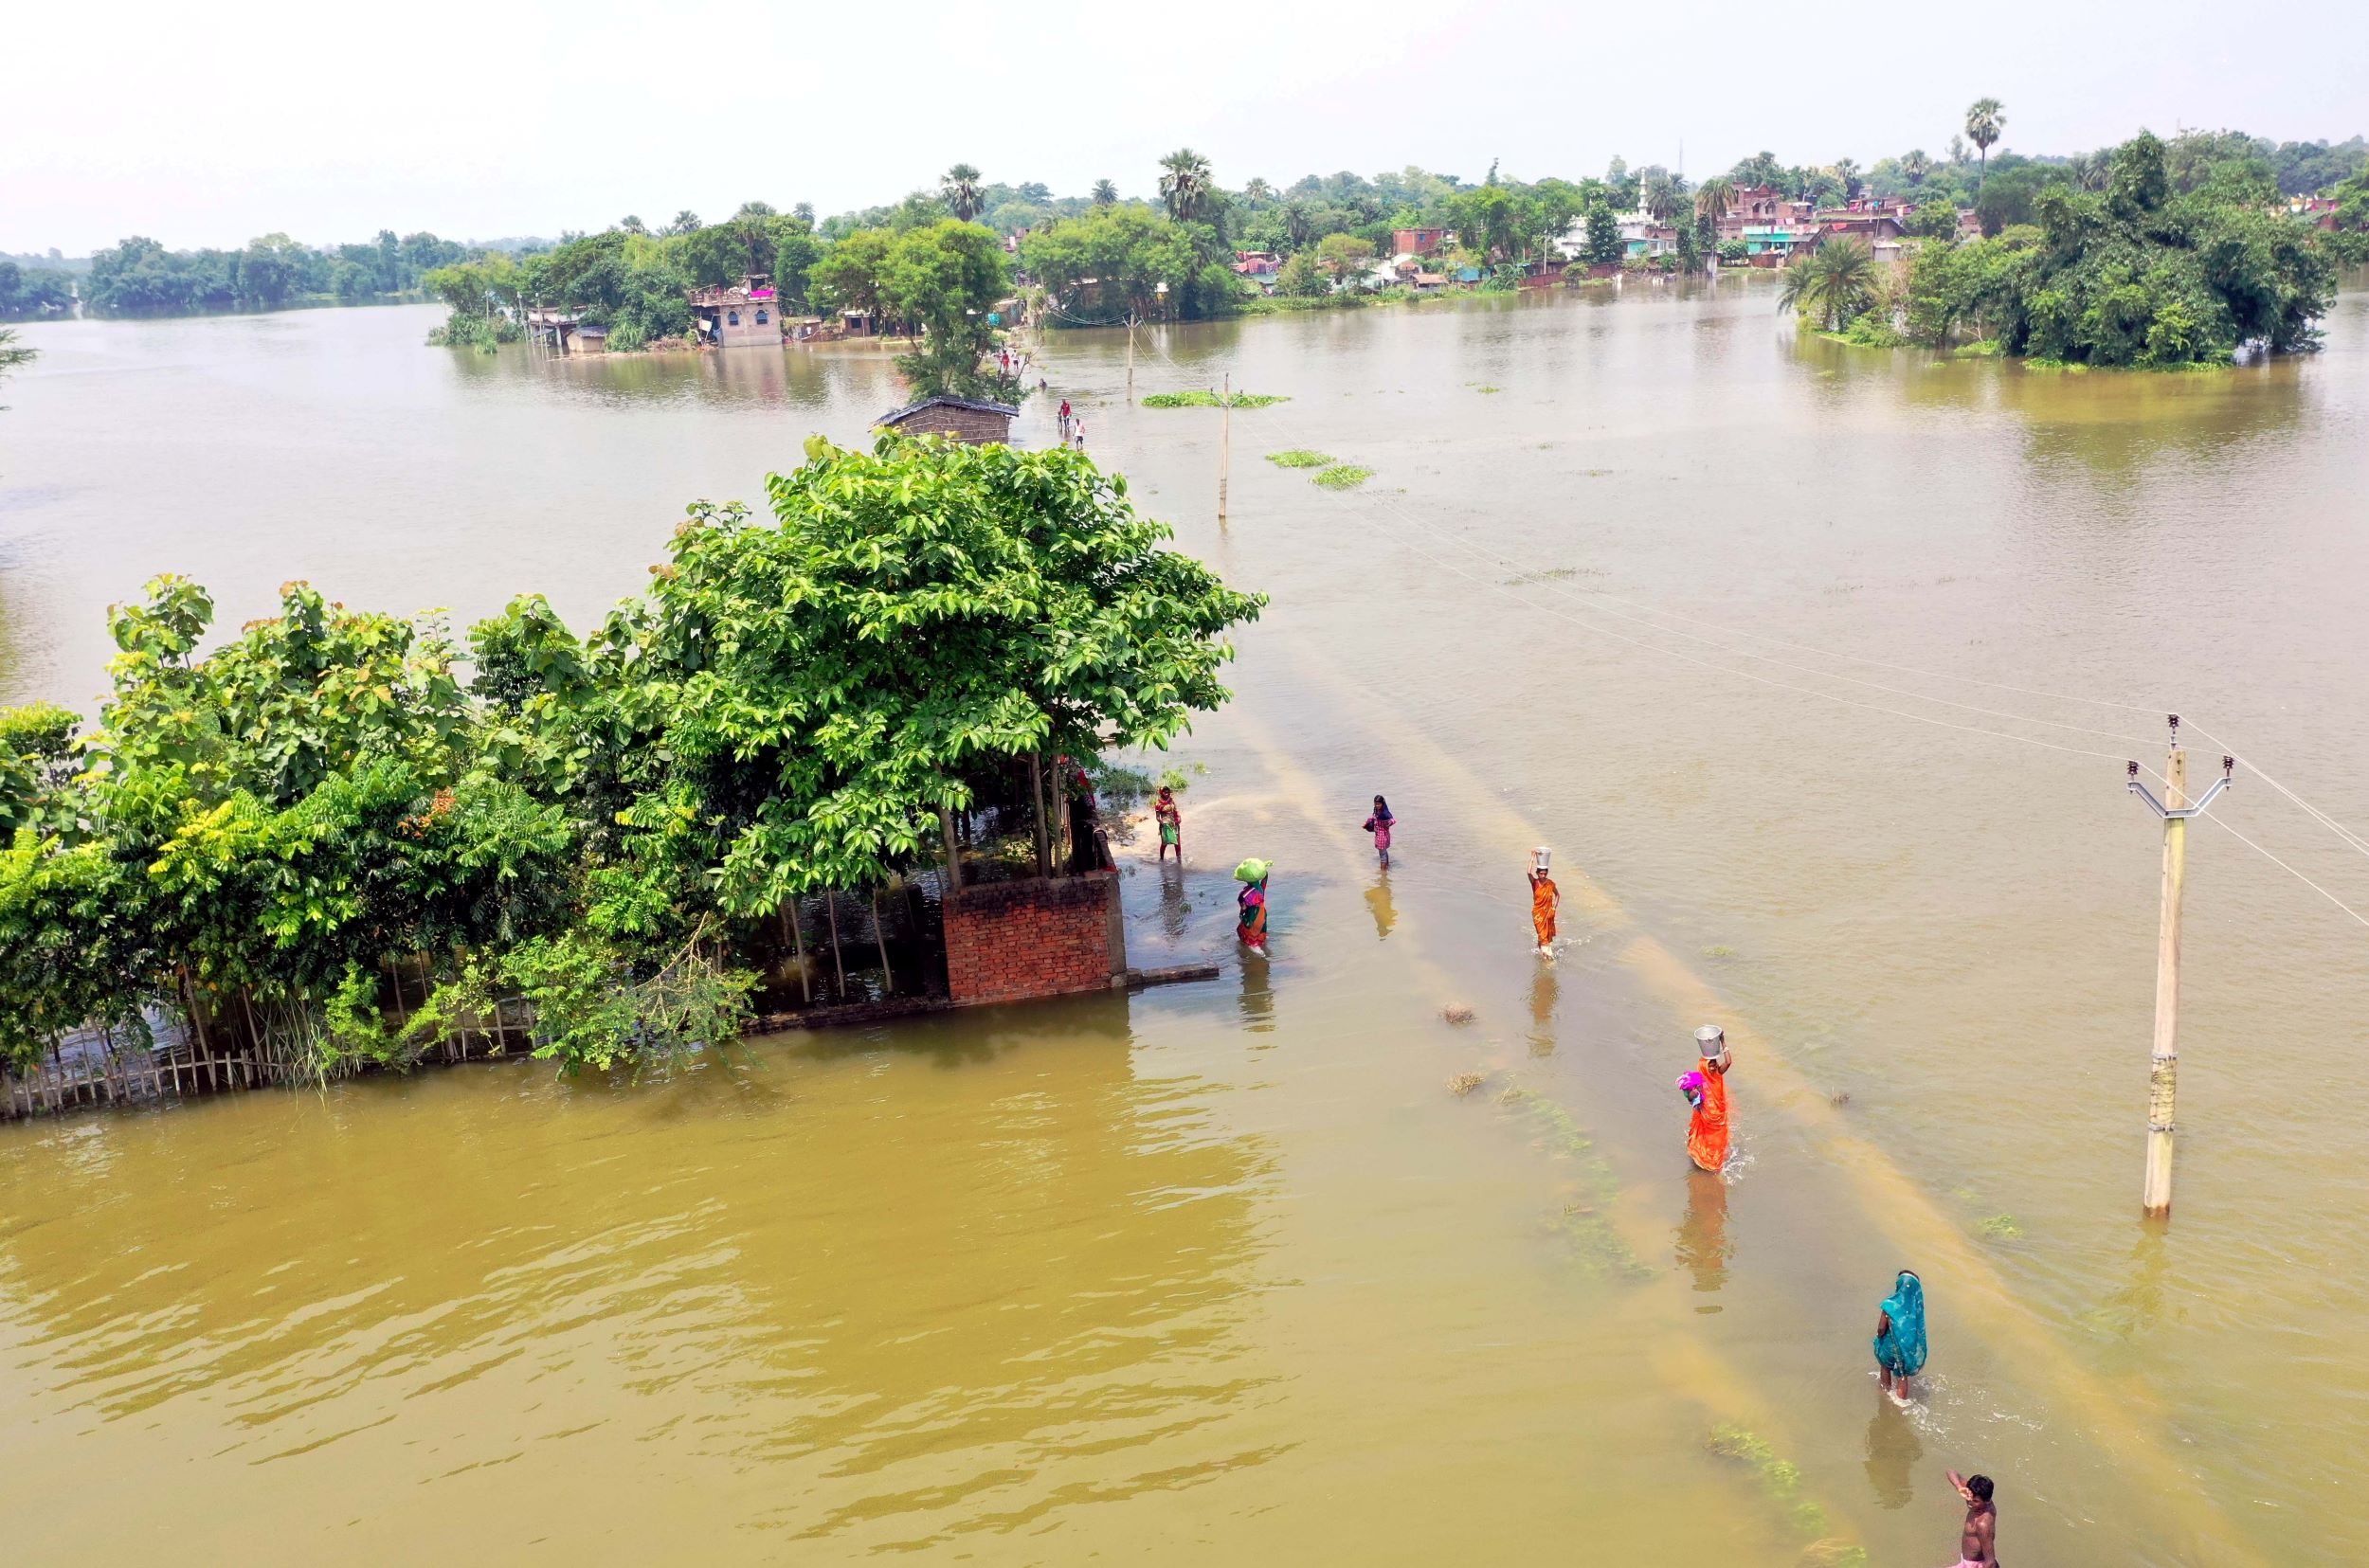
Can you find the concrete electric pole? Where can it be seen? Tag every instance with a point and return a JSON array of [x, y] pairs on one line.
[[2164, 1062]]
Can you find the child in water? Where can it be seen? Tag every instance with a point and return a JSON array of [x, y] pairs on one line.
[[1378, 824], [1171, 822]]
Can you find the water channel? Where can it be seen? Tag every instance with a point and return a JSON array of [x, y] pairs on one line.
[[1226, 1271]]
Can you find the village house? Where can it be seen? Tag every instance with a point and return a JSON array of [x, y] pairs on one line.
[[745, 317], [1418, 242], [1259, 267], [966, 420]]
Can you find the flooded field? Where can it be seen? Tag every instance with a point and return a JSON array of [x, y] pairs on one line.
[[1228, 1271]]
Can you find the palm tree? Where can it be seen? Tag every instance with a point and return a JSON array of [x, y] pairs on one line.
[[1105, 193], [1986, 119], [2090, 171], [1257, 191], [632, 225], [1833, 285], [1184, 183], [1847, 171], [1712, 197], [1916, 166], [1659, 195], [958, 187], [686, 222]]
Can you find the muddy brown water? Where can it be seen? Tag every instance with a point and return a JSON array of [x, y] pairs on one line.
[[1226, 1271]]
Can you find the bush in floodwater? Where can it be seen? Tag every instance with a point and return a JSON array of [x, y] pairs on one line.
[[1343, 477], [2000, 1227], [1300, 457]]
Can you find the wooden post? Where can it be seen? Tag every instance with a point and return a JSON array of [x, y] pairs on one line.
[[953, 855], [1036, 785], [830, 900], [1225, 442], [880, 938], [797, 944], [2164, 1065], [1130, 357]]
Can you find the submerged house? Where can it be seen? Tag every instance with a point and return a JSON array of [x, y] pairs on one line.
[[747, 317], [967, 419]]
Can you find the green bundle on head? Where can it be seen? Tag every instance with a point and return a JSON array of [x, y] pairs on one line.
[[1252, 870]]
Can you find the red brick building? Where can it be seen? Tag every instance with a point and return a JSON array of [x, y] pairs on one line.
[[1417, 241], [1041, 937]]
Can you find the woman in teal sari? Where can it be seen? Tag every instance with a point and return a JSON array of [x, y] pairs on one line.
[[1900, 1336]]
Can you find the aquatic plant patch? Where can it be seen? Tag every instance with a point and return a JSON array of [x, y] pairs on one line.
[[1300, 457], [1212, 399], [1343, 477]]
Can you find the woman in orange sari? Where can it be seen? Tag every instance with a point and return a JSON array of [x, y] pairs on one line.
[[1544, 898], [1706, 1090]]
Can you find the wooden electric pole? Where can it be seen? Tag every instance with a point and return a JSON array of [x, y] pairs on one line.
[[2163, 1060], [1130, 357], [1225, 442]]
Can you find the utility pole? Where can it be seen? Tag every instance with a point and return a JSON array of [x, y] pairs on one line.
[[1225, 442], [2163, 1061], [1131, 356]]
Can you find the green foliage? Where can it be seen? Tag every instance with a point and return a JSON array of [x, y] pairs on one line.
[[1832, 285], [266, 828], [1343, 477], [1301, 278], [139, 276], [1203, 399], [1130, 252], [1604, 244], [2181, 257], [1300, 457], [1733, 252], [35, 294]]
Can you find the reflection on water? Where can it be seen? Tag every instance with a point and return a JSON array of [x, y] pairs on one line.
[[1894, 1453], [1702, 1248], [1377, 903]]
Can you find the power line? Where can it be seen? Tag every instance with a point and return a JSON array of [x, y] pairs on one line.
[[2288, 868]]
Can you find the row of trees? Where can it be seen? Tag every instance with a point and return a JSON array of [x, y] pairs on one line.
[[611, 826], [140, 276], [35, 294], [2171, 254]]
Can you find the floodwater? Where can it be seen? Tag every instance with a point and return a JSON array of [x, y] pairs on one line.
[[1226, 1272]]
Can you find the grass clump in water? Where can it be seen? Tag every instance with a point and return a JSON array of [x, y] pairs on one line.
[[1719, 949], [1582, 1223], [2000, 1227], [1343, 477], [1781, 1479], [1300, 457], [1212, 399]]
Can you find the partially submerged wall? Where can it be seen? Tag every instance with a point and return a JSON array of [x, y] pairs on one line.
[[1041, 937]]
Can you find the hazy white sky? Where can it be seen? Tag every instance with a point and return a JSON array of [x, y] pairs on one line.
[[210, 124]]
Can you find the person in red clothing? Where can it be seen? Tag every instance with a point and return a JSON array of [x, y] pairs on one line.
[[1706, 1090]]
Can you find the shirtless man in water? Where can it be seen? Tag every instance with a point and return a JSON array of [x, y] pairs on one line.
[[1978, 1543]]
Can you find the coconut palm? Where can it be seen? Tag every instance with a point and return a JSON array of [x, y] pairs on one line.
[[632, 225], [1184, 183], [1105, 193], [1257, 191], [686, 222], [1915, 164], [1659, 195], [2090, 171], [1986, 119], [1831, 284], [1712, 198], [958, 187]]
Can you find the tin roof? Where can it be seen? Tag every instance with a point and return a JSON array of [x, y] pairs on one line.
[[942, 400]]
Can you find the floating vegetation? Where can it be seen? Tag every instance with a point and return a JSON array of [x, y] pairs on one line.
[[1583, 1223], [1719, 949], [1211, 400], [1464, 1083], [1300, 457], [2000, 1227], [1781, 1479], [1551, 574], [1343, 477], [1455, 1012], [1486, 390]]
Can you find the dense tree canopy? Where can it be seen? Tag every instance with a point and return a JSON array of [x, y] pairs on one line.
[[258, 833]]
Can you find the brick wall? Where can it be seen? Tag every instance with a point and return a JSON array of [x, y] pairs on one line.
[[1008, 941], [975, 425]]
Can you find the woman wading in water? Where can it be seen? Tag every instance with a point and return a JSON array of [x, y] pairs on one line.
[[1900, 1336], [1378, 824]]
